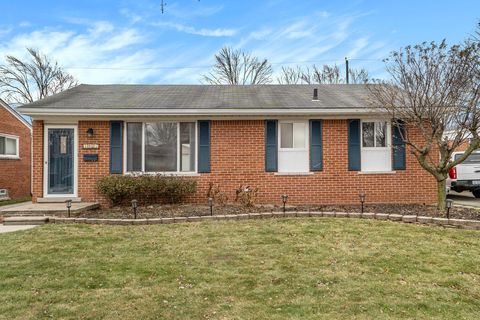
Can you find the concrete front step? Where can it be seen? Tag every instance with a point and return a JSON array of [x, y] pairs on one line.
[[58, 200], [18, 221]]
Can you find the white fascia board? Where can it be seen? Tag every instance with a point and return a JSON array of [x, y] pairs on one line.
[[193, 112]]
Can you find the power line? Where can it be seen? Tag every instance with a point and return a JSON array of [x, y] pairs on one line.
[[207, 66]]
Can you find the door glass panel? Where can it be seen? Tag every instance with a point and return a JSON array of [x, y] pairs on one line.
[[380, 134], [60, 161]]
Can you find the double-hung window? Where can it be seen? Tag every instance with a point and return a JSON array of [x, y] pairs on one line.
[[161, 147], [376, 149], [9, 146], [293, 141]]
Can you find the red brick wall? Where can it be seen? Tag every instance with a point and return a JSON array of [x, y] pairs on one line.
[[15, 173], [237, 157]]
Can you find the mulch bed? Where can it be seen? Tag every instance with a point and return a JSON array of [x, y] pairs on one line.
[[187, 210]]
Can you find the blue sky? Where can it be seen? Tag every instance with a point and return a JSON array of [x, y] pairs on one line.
[[131, 41]]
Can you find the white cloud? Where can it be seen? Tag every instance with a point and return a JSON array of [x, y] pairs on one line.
[[83, 54], [219, 32]]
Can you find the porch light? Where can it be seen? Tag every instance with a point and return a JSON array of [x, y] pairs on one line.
[[68, 203], [134, 206], [361, 195], [210, 204], [90, 132], [284, 200], [448, 205]]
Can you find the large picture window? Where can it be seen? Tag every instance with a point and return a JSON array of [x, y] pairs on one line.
[[161, 147], [8, 146]]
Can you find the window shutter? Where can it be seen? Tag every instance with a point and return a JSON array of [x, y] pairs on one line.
[[316, 150], [398, 150], [354, 151], [271, 149], [204, 146], [116, 146]]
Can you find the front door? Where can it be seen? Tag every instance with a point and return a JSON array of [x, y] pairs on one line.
[[60, 164]]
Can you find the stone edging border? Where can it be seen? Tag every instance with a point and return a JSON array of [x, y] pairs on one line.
[[452, 223]]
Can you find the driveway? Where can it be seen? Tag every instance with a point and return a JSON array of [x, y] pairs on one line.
[[464, 199]]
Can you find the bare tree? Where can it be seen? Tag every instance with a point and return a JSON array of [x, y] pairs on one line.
[[237, 67], [327, 74], [36, 78], [434, 89]]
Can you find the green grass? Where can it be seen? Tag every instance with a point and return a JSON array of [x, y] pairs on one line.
[[14, 201], [262, 269]]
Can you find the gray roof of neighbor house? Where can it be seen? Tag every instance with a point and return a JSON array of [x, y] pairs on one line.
[[144, 98]]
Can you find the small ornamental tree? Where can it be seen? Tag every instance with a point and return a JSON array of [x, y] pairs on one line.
[[434, 89]]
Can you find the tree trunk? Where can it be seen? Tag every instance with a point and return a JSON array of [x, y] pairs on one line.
[[441, 194]]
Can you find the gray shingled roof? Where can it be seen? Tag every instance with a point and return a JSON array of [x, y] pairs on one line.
[[338, 96]]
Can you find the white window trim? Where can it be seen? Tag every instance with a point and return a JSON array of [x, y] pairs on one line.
[[17, 144], [388, 144], [179, 154], [307, 136]]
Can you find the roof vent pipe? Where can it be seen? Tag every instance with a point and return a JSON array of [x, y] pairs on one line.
[[315, 94]]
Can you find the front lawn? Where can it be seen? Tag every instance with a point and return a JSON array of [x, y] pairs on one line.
[[252, 269]]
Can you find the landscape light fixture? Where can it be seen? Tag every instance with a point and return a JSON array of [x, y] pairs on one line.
[[210, 204], [448, 205], [68, 203], [90, 132], [284, 200], [361, 195], [134, 207]]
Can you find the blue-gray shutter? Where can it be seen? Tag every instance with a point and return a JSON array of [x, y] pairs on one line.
[[204, 146], [271, 149], [354, 151], [116, 154], [398, 150], [316, 149]]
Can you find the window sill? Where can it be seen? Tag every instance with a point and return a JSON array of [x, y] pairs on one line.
[[377, 172], [9, 158], [166, 174], [293, 173]]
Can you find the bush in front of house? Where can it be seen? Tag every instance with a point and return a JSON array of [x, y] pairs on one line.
[[146, 188]]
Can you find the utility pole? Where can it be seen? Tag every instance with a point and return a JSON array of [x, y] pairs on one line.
[[346, 69], [162, 6]]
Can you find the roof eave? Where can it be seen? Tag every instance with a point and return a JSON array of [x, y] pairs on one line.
[[194, 112]]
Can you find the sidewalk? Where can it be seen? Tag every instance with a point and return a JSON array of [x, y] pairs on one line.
[[5, 229]]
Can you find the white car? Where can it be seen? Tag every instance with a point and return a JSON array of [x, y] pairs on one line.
[[466, 175]]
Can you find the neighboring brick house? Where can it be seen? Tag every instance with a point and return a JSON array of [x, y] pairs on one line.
[[320, 144], [15, 153]]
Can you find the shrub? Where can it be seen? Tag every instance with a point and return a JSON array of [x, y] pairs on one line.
[[216, 194], [145, 188], [246, 195]]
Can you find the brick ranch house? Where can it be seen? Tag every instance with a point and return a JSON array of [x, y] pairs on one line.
[[320, 144], [15, 154]]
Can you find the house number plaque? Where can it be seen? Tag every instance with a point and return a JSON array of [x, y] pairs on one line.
[[90, 146]]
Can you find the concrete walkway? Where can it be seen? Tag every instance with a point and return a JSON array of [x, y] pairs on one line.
[[5, 229], [46, 208]]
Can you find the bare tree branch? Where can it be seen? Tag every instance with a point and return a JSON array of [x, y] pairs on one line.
[[435, 89], [33, 79], [236, 67], [327, 74]]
